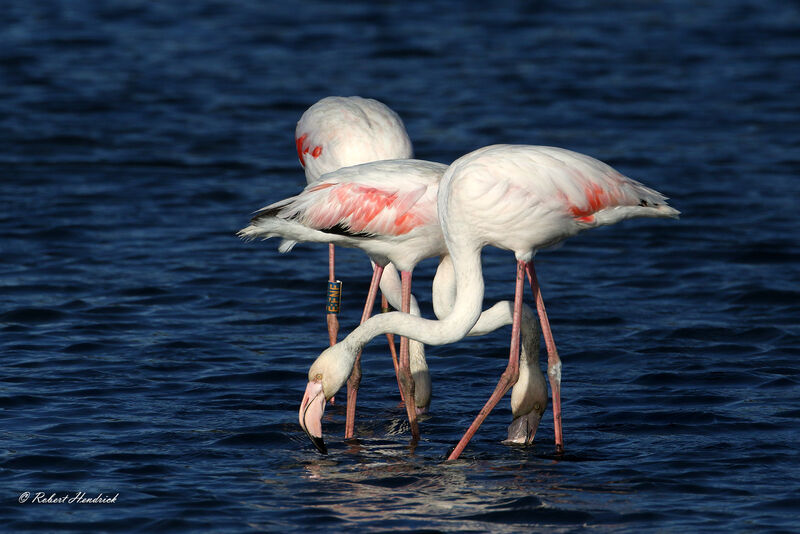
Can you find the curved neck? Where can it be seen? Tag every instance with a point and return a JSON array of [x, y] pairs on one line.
[[443, 288], [466, 310], [502, 314]]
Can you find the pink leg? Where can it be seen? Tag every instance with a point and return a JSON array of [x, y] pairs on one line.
[[333, 320], [392, 350], [355, 376], [553, 361], [404, 366], [509, 376]]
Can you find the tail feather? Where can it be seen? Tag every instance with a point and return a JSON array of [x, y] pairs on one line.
[[267, 222], [628, 199], [273, 210], [620, 213], [266, 225], [286, 245]]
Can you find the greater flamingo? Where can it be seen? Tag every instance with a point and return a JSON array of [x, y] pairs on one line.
[[515, 197], [339, 132], [388, 209]]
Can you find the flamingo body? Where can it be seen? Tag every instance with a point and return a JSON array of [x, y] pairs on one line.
[[385, 208], [525, 198]]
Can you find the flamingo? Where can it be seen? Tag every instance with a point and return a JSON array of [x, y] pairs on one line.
[[519, 198], [388, 209], [339, 132]]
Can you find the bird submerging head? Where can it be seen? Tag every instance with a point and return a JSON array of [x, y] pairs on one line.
[[339, 132], [515, 197], [388, 210]]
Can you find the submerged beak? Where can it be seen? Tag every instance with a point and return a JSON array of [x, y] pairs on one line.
[[311, 410], [523, 428]]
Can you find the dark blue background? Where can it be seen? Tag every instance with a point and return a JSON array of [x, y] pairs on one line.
[[146, 351]]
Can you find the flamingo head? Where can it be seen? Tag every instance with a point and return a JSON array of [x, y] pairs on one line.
[[523, 428], [325, 377], [311, 409], [528, 402]]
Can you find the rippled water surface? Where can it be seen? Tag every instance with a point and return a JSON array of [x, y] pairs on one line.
[[147, 352]]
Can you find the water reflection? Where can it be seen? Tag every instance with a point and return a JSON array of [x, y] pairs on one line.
[[383, 486]]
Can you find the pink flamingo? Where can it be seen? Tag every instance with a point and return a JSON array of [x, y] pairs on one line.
[[515, 197], [388, 209]]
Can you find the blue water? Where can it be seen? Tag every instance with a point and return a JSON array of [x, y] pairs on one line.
[[147, 353]]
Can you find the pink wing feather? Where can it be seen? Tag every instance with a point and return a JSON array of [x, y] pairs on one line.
[[364, 209], [388, 198]]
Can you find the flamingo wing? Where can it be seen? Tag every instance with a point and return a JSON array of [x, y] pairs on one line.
[[570, 185], [388, 198]]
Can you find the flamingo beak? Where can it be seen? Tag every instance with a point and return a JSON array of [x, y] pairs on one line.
[[523, 428], [311, 410]]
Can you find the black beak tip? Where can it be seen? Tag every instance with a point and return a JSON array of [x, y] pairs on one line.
[[319, 444]]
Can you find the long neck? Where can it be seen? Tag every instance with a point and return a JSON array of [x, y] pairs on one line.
[[443, 288], [465, 313], [499, 315], [502, 314]]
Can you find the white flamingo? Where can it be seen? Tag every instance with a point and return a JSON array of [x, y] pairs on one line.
[[515, 197], [339, 132]]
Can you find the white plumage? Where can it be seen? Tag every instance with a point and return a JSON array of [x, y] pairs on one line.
[[516, 197], [524, 198], [385, 208], [339, 132]]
